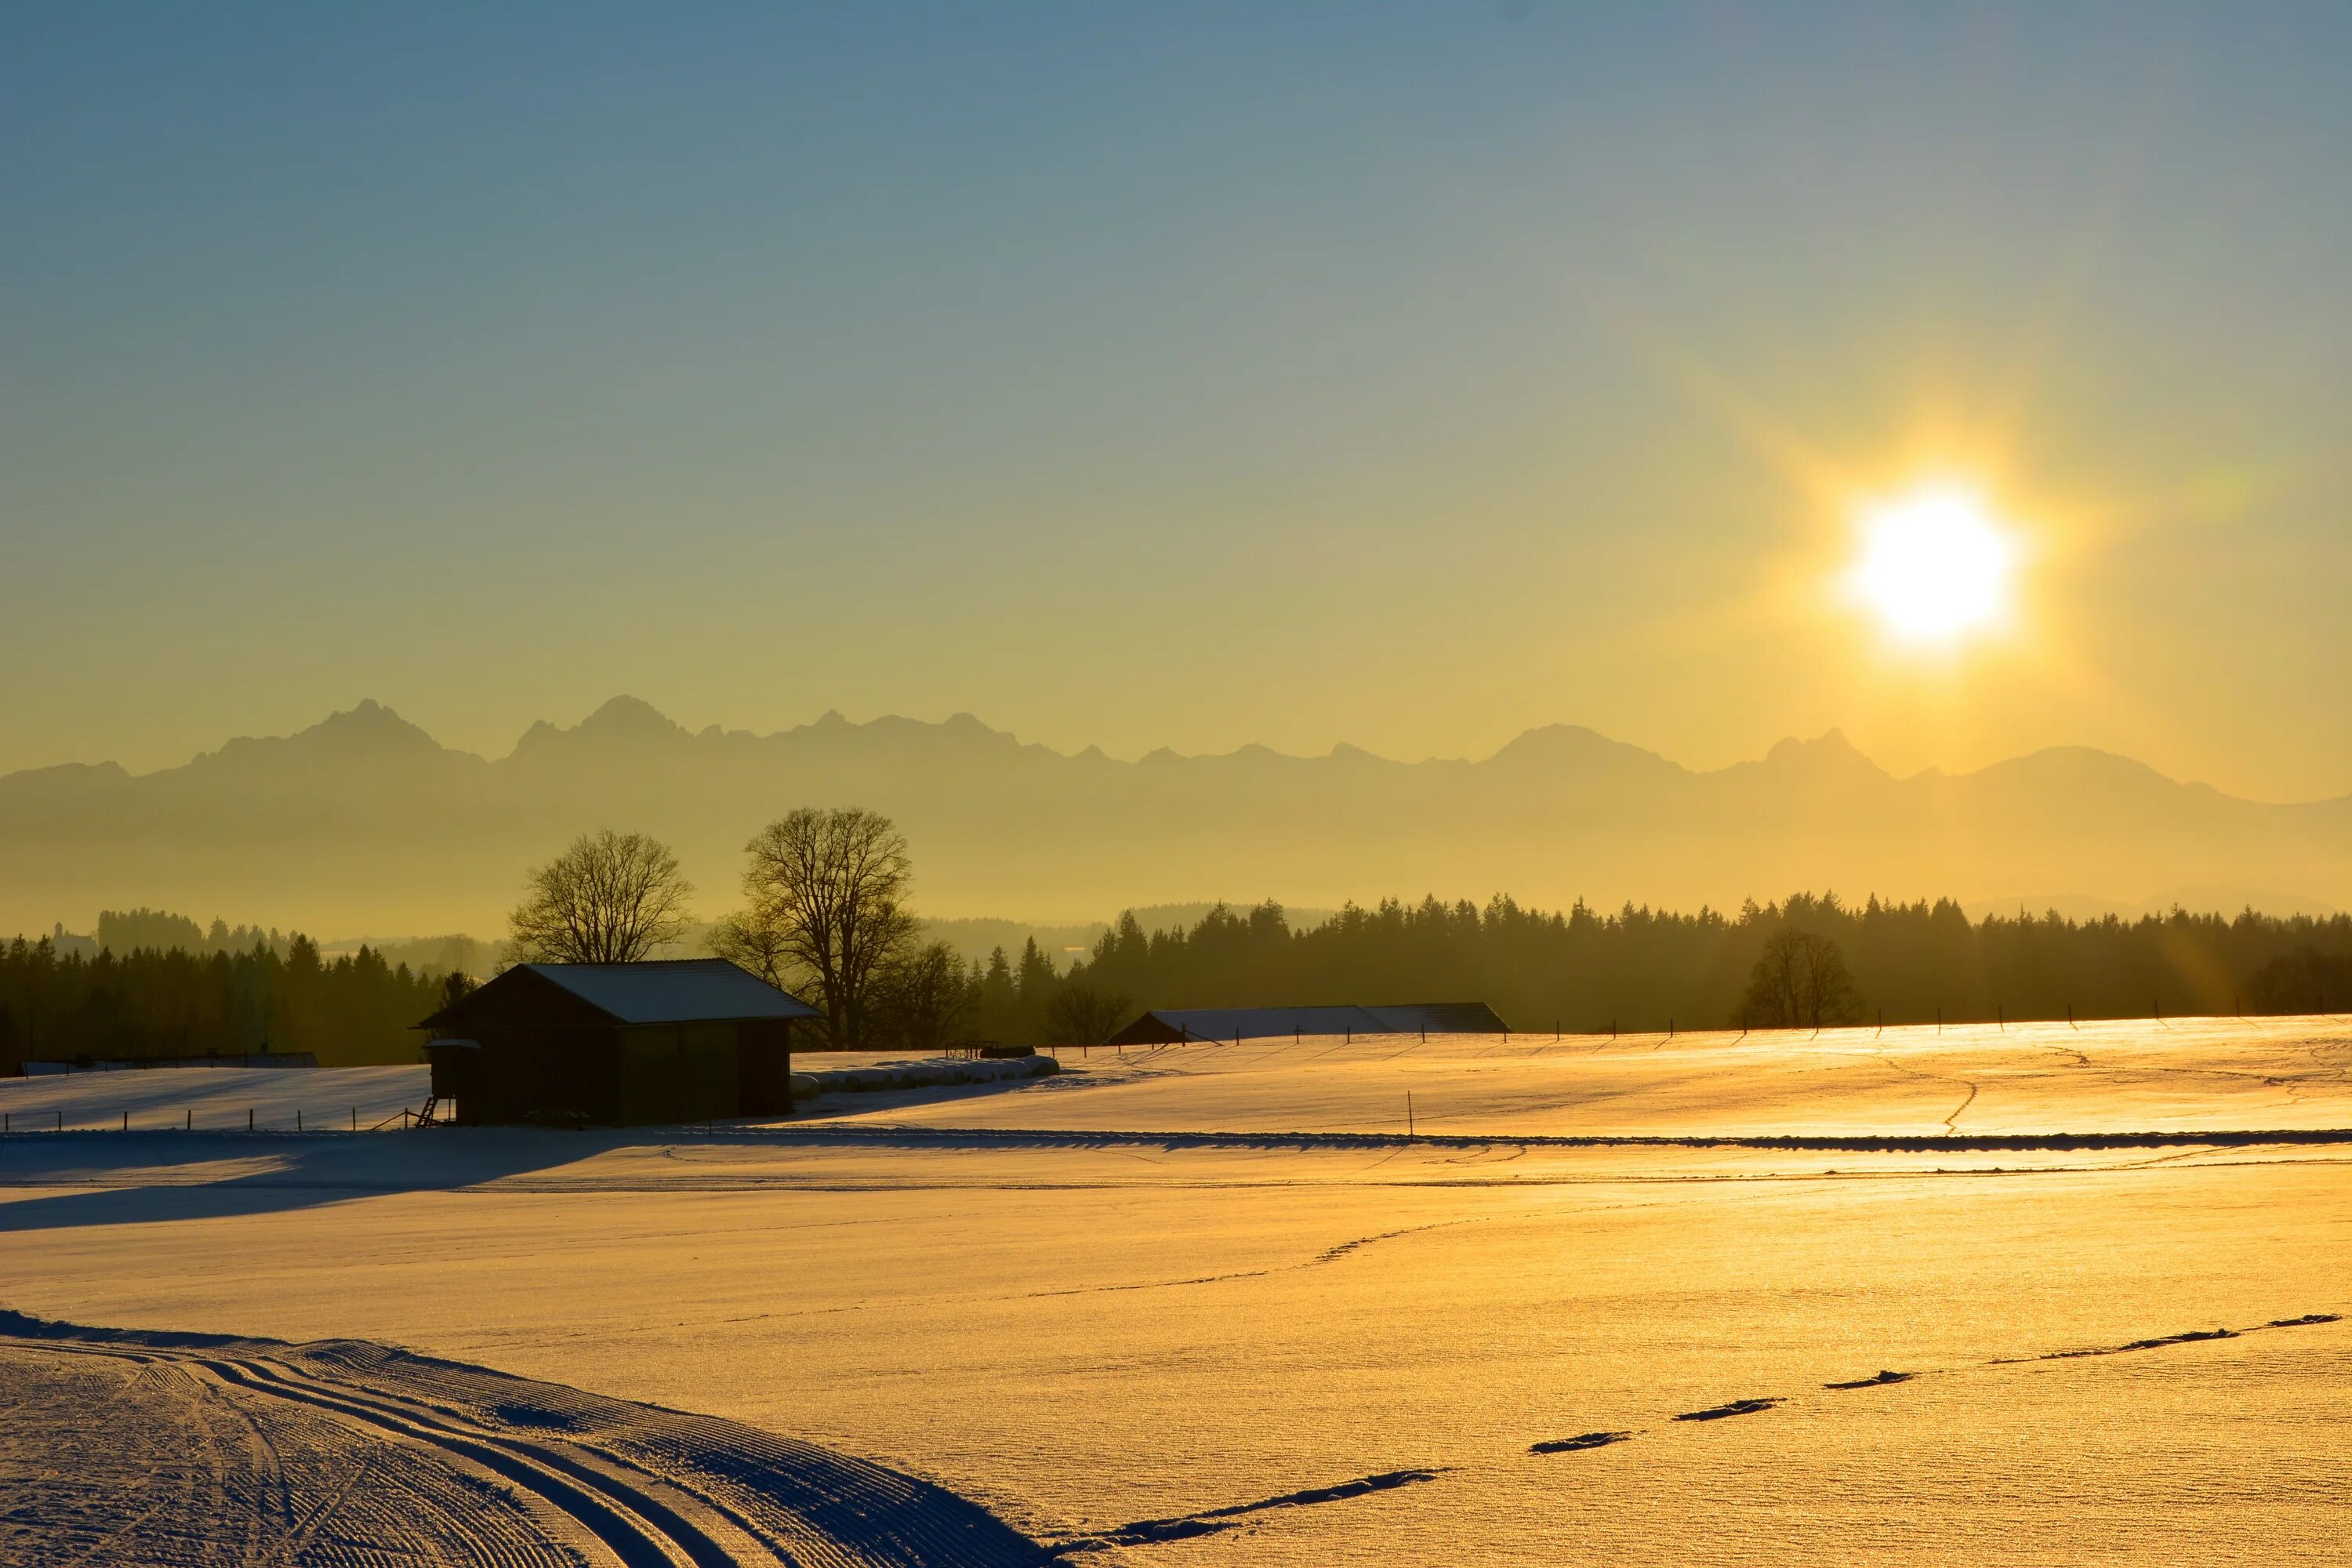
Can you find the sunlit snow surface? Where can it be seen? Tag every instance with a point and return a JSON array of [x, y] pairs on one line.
[[1076, 1304]]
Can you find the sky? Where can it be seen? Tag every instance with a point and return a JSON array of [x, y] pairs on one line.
[[1405, 376]]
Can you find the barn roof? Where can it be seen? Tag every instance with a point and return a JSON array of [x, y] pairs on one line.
[[673, 991], [1169, 1024]]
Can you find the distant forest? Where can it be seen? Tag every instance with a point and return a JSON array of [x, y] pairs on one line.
[[277, 993], [1640, 969], [127, 930], [162, 986]]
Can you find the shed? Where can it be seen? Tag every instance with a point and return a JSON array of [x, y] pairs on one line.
[[1174, 1026], [616, 1043]]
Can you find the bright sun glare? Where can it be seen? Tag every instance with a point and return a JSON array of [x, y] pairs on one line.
[[1935, 565]]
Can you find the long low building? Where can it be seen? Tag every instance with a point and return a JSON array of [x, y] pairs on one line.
[[1176, 1025]]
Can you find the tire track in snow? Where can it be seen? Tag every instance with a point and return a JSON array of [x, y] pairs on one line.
[[631, 1541], [1329, 1255], [1951, 1123], [635, 1484], [639, 1528]]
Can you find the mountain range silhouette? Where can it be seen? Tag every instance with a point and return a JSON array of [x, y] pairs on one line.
[[365, 821]]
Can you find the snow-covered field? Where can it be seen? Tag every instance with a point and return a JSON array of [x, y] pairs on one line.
[[1207, 1305]]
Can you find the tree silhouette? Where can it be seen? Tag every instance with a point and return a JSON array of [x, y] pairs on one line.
[[610, 898], [1799, 981], [1080, 1015], [922, 998], [824, 906]]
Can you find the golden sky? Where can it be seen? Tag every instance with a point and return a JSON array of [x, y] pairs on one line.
[[1407, 379]]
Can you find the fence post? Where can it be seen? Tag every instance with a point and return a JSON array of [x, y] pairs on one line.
[[249, 1118], [126, 1122], [355, 1118], [187, 1119]]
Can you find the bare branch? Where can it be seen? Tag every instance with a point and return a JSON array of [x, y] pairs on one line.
[[610, 898]]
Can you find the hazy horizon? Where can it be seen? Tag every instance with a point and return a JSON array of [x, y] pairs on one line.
[[364, 822], [627, 704]]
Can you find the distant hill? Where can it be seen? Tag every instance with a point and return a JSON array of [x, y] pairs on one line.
[[364, 822]]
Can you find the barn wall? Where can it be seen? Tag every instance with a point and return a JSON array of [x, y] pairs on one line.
[[763, 1068], [682, 1072], [551, 1075]]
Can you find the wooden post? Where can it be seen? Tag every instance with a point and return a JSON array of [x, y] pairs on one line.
[[297, 1118], [126, 1122], [249, 1118], [1408, 1113], [2000, 1017], [187, 1119], [356, 1115]]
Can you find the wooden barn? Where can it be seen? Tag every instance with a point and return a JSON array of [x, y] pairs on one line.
[[616, 1045]]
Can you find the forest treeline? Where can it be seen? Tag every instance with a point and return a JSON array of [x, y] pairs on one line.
[[151, 1002], [127, 930], [1636, 969], [1640, 969]]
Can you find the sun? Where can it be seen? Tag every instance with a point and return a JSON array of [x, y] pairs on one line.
[[1935, 565]]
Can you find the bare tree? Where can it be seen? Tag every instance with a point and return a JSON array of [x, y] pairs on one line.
[[610, 898], [1082, 1015], [923, 997], [825, 904], [1799, 981]]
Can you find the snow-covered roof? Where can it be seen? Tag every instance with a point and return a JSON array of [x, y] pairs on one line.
[[1165, 1024], [675, 991]]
